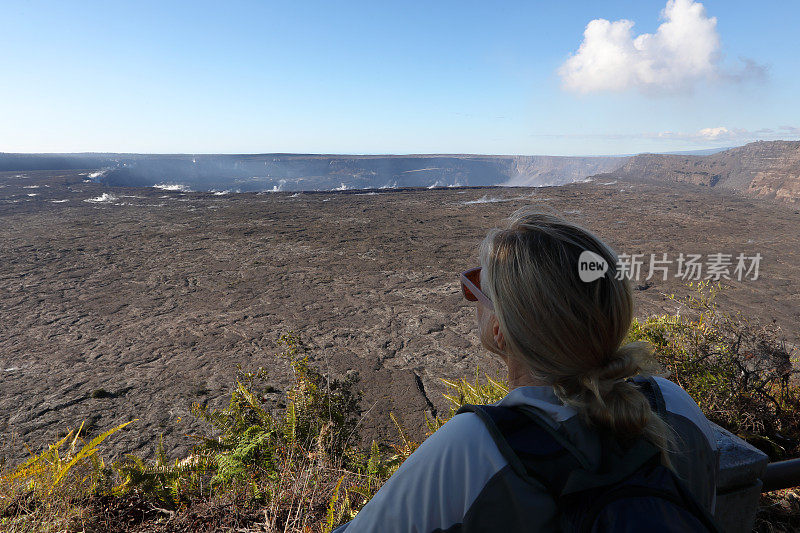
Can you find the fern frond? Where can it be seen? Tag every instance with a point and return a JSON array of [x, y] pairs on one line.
[[87, 450]]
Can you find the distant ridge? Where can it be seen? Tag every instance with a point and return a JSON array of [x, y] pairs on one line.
[[707, 151], [309, 172], [769, 169], [766, 169]]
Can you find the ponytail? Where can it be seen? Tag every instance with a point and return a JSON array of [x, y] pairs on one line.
[[605, 398]]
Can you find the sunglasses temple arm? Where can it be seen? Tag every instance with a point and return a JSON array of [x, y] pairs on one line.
[[476, 292]]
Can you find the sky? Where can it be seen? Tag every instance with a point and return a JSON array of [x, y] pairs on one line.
[[535, 77]]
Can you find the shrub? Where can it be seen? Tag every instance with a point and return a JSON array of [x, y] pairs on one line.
[[321, 418], [299, 463], [50, 488], [461, 392], [740, 373]]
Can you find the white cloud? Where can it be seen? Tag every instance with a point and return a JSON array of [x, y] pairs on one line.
[[719, 133], [683, 51], [715, 133]]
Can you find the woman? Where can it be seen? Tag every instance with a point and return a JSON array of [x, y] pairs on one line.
[[560, 338]]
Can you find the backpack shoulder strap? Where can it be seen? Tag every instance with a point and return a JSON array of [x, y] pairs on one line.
[[648, 386], [534, 450]]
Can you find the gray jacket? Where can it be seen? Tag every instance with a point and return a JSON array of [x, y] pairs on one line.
[[458, 481]]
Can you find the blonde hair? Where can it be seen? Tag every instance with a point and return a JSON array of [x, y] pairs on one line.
[[566, 331]]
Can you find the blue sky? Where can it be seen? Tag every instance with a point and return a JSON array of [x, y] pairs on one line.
[[405, 77]]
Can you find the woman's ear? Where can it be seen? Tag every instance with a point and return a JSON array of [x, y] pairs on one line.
[[499, 340], [491, 337]]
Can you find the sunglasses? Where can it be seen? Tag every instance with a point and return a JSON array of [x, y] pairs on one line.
[[471, 287]]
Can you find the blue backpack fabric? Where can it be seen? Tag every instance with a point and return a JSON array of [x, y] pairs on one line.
[[631, 490]]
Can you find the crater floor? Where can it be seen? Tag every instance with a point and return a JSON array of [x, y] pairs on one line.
[[123, 303]]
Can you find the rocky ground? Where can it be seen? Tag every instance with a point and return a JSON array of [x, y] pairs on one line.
[[143, 301]]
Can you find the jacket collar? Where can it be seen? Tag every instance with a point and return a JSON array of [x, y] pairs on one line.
[[540, 397]]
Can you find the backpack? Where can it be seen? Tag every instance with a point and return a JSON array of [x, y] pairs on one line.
[[631, 490]]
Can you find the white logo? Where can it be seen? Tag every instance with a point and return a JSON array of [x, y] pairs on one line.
[[591, 266]]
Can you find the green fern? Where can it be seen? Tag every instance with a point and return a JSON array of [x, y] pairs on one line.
[[332, 517]]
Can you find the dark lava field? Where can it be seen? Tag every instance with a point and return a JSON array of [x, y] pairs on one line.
[[133, 303]]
